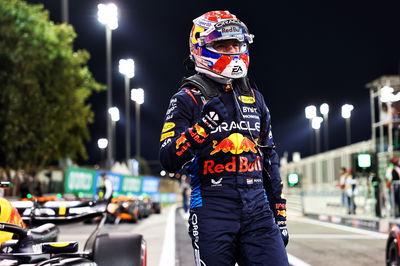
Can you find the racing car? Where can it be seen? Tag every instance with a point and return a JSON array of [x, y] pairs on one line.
[[132, 208], [25, 246], [100, 249], [125, 208]]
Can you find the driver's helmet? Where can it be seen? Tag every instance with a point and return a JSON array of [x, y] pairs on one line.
[[216, 26], [8, 214]]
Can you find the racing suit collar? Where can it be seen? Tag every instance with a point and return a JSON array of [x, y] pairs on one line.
[[225, 81]]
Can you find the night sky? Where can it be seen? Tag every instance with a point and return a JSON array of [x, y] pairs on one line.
[[304, 52]]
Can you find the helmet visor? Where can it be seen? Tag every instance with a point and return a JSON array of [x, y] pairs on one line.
[[228, 47], [225, 30]]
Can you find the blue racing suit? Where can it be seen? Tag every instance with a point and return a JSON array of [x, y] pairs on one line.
[[230, 216]]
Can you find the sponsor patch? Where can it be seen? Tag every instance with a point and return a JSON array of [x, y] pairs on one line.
[[216, 183], [281, 213], [172, 108], [236, 143], [196, 137], [168, 126], [247, 109], [183, 149], [181, 140], [246, 99], [242, 125], [167, 135], [165, 143], [280, 206], [231, 30], [200, 130], [241, 164], [168, 117], [237, 70]]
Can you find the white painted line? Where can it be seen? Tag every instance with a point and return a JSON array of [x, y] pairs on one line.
[[341, 227], [296, 261], [168, 250], [334, 236]]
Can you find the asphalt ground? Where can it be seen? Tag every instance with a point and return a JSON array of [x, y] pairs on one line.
[[184, 252], [321, 243], [311, 242]]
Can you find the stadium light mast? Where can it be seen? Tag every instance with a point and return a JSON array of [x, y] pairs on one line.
[[346, 114], [310, 112], [127, 68], [137, 95], [108, 15], [316, 124], [324, 110]]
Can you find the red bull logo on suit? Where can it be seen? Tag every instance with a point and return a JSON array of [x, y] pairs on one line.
[[240, 164], [236, 143]]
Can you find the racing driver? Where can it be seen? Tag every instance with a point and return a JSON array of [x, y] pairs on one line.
[[218, 127]]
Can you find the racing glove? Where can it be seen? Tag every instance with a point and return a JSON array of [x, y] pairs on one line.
[[280, 218], [212, 115]]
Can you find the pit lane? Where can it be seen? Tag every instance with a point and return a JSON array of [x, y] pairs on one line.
[[311, 242]]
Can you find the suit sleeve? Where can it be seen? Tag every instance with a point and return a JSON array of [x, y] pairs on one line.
[[272, 179], [175, 150]]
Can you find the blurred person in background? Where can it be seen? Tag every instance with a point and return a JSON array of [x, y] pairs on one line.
[[375, 183], [341, 185], [395, 186], [38, 189], [351, 192], [104, 189], [24, 189]]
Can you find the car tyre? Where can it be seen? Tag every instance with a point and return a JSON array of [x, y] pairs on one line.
[[111, 249]]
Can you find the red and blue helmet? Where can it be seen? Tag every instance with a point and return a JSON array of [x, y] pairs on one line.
[[217, 26]]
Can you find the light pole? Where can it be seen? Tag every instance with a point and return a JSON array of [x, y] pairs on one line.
[[137, 95], [64, 11], [108, 15], [346, 114], [324, 110], [316, 124], [388, 97], [114, 115], [102, 143], [127, 68], [310, 112]]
